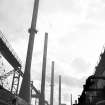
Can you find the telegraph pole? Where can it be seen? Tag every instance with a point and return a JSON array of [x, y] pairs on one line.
[[52, 84], [42, 95], [25, 91]]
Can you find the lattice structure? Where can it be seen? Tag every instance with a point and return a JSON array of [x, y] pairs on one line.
[[3, 75], [12, 58], [1, 70], [15, 82]]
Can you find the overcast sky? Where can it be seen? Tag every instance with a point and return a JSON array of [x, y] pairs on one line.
[[76, 39]]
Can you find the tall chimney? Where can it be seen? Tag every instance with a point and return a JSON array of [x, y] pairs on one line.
[[25, 91], [71, 99], [60, 90], [42, 96], [52, 83]]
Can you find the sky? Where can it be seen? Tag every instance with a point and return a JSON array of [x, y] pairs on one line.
[[76, 38]]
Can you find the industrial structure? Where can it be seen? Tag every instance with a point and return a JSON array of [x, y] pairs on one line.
[[93, 90], [42, 94], [60, 90], [24, 95], [52, 84]]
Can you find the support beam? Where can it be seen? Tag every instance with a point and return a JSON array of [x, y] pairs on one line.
[[8, 53]]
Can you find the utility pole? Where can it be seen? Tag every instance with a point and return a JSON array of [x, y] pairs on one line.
[[60, 90], [52, 84], [42, 95], [25, 91]]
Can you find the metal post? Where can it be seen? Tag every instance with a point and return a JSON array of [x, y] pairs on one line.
[[25, 91], [60, 90], [52, 84], [42, 96]]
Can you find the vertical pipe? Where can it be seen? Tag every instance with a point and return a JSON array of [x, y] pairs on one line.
[[42, 96], [52, 84], [60, 90], [25, 91]]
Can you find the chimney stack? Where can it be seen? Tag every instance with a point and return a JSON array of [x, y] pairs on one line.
[[52, 84]]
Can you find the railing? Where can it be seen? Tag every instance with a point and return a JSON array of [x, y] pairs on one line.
[[10, 48]]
